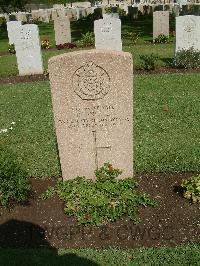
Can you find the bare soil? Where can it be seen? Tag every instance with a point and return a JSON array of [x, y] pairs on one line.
[[22, 79], [42, 223]]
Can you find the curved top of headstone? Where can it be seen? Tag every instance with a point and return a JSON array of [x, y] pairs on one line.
[[91, 52]]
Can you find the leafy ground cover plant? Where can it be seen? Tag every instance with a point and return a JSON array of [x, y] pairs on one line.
[[161, 39], [14, 184], [132, 36], [108, 10], [2, 22], [191, 188], [11, 48], [86, 40], [187, 59], [101, 201], [149, 61]]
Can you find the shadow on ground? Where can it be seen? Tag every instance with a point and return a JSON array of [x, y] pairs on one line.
[[24, 243]]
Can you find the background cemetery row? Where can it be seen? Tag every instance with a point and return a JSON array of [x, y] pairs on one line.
[[79, 10], [107, 36]]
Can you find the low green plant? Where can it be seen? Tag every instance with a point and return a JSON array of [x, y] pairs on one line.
[[121, 12], [149, 61], [108, 9], [97, 14], [36, 21], [101, 201], [2, 22], [14, 184], [191, 188], [86, 40], [11, 48], [132, 36], [187, 59], [161, 39]]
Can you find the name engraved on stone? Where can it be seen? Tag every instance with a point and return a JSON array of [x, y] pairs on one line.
[[189, 31], [93, 118], [25, 35], [106, 30], [92, 98], [28, 50], [91, 82]]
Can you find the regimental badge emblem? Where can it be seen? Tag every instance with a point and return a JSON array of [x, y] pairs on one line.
[[91, 82]]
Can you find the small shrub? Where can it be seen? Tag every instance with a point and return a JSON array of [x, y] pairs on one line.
[[132, 36], [104, 200], [14, 184], [108, 10], [121, 12], [96, 15], [191, 188], [187, 59], [36, 21], [86, 40], [2, 22], [173, 33], [66, 46], [149, 61], [11, 48], [45, 44], [161, 39]]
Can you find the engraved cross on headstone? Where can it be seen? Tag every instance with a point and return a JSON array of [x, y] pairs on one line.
[[97, 148]]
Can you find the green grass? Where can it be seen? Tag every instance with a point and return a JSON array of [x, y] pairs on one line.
[[8, 63], [183, 255], [164, 140], [167, 140], [32, 138], [143, 26], [3, 39]]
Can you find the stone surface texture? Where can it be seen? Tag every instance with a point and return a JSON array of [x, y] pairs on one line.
[[187, 32], [92, 95], [108, 33], [160, 23], [62, 30], [28, 50], [12, 28]]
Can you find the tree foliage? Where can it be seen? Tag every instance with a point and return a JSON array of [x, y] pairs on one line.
[[10, 5]]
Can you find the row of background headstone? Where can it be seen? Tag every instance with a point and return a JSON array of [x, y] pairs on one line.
[[46, 15], [107, 36]]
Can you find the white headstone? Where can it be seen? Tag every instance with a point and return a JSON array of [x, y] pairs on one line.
[[61, 12], [160, 23], [187, 32], [45, 16], [62, 30], [12, 28], [6, 17], [35, 14], [115, 15], [28, 50], [54, 14], [107, 16], [108, 34], [21, 16], [92, 96], [69, 13]]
